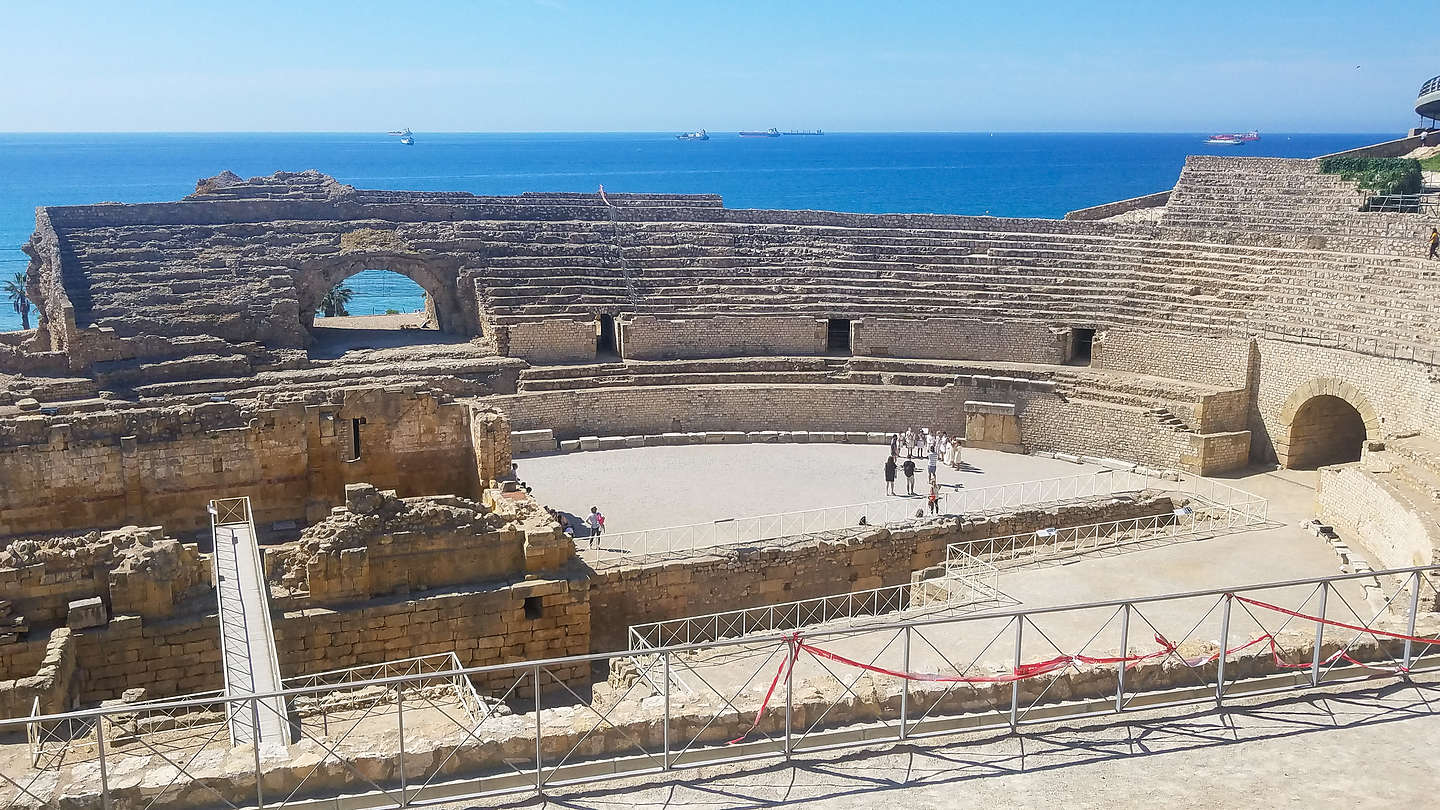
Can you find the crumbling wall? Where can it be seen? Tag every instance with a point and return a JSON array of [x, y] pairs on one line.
[[380, 545], [162, 465], [52, 684], [133, 570]]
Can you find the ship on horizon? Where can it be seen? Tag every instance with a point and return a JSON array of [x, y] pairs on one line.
[[697, 135], [1234, 138], [805, 132], [406, 137], [772, 132]]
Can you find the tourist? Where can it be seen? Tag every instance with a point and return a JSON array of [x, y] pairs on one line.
[[909, 475], [890, 475], [934, 460], [596, 522], [957, 446], [1434, 242], [934, 498]]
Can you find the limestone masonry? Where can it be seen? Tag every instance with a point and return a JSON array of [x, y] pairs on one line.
[[1254, 314]]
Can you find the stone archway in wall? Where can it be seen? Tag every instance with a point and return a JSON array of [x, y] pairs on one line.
[[1325, 421], [453, 313]]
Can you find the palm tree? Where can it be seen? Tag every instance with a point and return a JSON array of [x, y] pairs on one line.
[[333, 304], [15, 291]]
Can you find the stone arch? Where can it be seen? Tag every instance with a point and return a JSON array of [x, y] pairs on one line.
[[1324, 421], [438, 278]]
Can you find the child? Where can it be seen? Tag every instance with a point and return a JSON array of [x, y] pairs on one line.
[[934, 498]]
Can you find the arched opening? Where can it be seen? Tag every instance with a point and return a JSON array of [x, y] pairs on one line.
[[384, 298], [362, 306], [605, 343], [1325, 430]]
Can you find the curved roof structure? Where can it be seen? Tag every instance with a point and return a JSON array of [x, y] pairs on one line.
[[1427, 103]]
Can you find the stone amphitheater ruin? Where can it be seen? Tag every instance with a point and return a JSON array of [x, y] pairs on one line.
[[1253, 317]]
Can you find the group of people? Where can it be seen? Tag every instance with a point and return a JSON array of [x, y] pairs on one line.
[[935, 448]]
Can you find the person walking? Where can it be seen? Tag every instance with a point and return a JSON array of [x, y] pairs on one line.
[[909, 469], [890, 475], [934, 461], [596, 522], [894, 445], [955, 462], [1434, 243], [934, 498]]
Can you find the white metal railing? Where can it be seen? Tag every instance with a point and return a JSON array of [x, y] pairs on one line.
[[1215, 509], [960, 584], [988, 670], [688, 539]]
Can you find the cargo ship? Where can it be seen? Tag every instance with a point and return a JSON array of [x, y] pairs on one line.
[[697, 135], [1234, 138], [805, 132], [772, 132]]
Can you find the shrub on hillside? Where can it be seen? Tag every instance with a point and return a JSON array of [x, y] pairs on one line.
[[1377, 175]]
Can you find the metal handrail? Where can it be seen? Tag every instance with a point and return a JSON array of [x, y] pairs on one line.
[[817, 636]]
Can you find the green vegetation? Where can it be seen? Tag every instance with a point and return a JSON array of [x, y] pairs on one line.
[[392, 312], [1377, 175], [333, 304], [14, 290], [1431, 164]]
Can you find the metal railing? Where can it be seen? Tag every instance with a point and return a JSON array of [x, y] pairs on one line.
[[1201, 518], [1002, 669], [967, 581], [689, 539], [1403, 203]]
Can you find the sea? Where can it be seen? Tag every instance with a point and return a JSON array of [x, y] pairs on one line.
[[1002, 174]]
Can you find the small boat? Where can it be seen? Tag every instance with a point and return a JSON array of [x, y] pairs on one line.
[[772, 132], [698, 135], [407, 140]]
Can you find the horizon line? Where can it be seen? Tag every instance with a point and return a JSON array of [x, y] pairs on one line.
[[662, 132]]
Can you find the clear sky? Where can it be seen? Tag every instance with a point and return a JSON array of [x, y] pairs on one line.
[[577, 65]]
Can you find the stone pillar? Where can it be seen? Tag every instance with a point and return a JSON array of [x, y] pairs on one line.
[[992, 426], [490, 440]]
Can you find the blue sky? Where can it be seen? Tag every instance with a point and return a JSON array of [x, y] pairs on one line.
[[568, 65]]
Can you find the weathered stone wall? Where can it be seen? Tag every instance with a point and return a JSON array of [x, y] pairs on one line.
[[162, 465], [550, 341], [956, 339], [1364, 509], [1111, 209], [380, 545], [132, 570], [52, 682], [481, 625], [646, 337], [1400, 394], [1179, 356], [791, 569]]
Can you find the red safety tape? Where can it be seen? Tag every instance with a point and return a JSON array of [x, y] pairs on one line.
[[1356, 628], [1038, 668], [789, 660]]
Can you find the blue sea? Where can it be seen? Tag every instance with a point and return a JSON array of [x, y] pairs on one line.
[[1004, 174]]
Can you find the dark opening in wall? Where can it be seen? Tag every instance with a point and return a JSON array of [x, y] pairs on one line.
[[355, 438], [1082, 343], [837, 335], [533, 608], [605, 342]]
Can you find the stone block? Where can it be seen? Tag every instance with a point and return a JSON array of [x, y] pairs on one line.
[[589, 442], [635, 441], [569, 445], [610, 442], [86, 613]]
